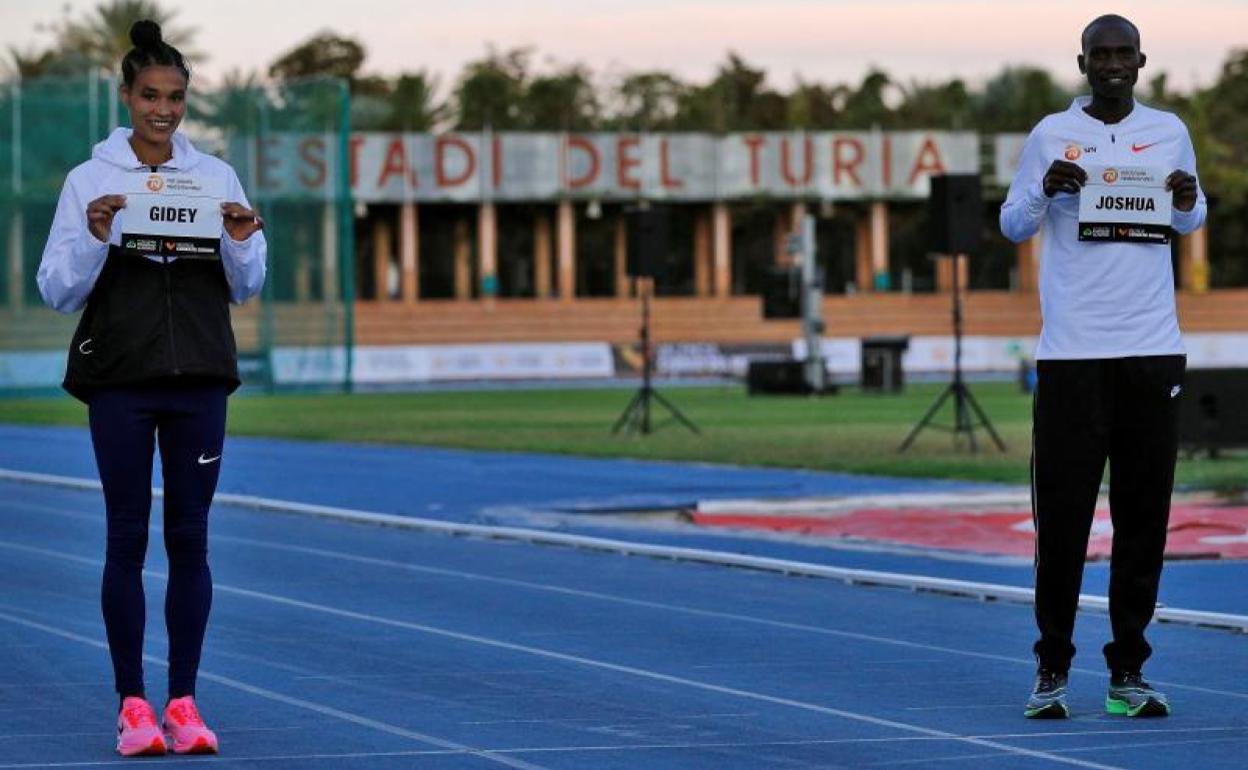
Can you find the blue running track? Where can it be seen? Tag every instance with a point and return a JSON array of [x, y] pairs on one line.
[[346, 646]]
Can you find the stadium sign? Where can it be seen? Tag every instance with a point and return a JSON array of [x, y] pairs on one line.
[[476, 167]]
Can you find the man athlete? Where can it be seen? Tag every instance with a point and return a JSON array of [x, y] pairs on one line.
[[1110, 366]]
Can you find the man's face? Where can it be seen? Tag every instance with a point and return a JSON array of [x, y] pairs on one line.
[[1112, 60]]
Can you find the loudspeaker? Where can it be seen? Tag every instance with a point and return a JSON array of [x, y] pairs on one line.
[[782, 293], [1213, 414], [776, 377], [647, 241], [956, 213]]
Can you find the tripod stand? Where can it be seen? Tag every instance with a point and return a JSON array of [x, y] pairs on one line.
[[964, 402], [636, 416]]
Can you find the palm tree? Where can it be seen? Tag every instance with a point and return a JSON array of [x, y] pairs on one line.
[[102, 36]]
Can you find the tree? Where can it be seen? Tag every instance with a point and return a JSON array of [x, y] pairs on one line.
[[1017, 98], [490, 91], [102, 36], [233, 104], [815, 107], [644, 101], [942, 105], [737, 99], [413, 106], [561, 101], [866, 107], [324, 54]]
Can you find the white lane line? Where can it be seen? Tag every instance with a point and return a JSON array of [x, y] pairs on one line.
[[976, 590], [618, 748], [552, 655], [698, 612], [289, 700]]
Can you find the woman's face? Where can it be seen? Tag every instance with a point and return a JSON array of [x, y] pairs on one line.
[[157, 103]]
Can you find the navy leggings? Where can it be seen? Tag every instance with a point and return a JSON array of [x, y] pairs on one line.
[[188, 421]]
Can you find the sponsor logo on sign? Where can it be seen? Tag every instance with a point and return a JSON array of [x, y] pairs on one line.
[[155, 183], [1110, 175], [1073, 152]]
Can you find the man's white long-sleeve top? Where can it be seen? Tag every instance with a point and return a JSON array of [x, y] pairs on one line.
[[1100, 299]]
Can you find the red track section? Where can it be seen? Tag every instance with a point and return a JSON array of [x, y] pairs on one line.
[[1205, 529]]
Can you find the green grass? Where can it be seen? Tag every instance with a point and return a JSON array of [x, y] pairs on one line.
[[849, 432]]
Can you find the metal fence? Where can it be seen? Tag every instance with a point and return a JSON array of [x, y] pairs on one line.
[[298, 333]]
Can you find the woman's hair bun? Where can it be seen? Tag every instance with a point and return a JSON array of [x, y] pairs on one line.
[[145, 34]]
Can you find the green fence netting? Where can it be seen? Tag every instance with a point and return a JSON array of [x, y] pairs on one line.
[[299, 332]]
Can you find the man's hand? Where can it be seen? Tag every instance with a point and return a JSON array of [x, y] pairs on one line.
[[100, 213], [240, 222], [1183, 185], [1064, 176]]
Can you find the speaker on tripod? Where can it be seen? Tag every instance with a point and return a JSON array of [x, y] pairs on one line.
[[956, 213], [647, 254], [647, 233]]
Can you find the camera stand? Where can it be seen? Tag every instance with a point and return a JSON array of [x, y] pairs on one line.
[[964, 402], [636, 416]]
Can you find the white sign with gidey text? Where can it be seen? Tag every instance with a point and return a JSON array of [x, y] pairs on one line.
[[172, 215]]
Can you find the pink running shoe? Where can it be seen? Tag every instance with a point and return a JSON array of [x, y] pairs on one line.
[[185, 728], [137, 733]]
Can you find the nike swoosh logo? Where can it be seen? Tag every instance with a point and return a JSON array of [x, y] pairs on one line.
[[205, 460], [1141, 147], [82, 347]]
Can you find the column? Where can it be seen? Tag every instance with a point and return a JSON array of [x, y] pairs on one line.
[[779, 235], [382, 255], [702, 254], [17, 297], [566, 247], [944, 273], [1194, 262], [541, 256], [879, 246], [409, 252], [620, 247], [329, 254], [487, 249], [862, 254], [463, 253], [721, 249]]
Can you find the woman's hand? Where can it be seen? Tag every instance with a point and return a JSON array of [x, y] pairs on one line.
[[240, 222], [100, 213]]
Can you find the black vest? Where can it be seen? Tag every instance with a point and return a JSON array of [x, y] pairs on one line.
[[149, 322]]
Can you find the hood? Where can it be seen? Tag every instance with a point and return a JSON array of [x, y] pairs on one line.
[[116, 150]]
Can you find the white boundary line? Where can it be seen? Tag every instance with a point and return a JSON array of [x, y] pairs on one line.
[[975, 590]]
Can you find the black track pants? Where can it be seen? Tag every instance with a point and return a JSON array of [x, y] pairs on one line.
[[1124, 410]]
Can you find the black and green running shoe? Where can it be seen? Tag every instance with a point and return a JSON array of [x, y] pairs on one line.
[[1130, 695], [1048, 697]]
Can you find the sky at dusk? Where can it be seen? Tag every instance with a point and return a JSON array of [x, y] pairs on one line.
[[820, 40]]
